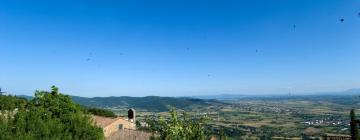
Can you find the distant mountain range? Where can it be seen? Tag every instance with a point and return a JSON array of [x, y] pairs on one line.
[[150, 103], [220, 97], [226, 97], [353, 91], [156, 103]]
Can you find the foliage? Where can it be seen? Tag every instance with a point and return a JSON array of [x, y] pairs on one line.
[[101, 112], [354, 126], [266, 132], [49, 115], [179, 128], [8, 102], [138, 124], [222, 134]]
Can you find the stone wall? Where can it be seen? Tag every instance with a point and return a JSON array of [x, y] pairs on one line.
[[127, 134], [115, 126]]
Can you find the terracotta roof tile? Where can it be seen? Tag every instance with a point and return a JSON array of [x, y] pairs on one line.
[[104, 121]]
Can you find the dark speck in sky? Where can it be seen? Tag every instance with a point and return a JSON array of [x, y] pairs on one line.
[[342, 20]]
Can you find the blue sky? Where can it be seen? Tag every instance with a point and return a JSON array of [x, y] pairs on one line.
[[179, 47]]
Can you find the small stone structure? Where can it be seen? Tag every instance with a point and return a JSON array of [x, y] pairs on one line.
[[112, 125]]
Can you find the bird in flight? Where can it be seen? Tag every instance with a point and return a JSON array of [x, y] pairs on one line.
[[342, 20]]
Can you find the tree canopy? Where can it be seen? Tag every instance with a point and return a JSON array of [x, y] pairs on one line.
[[178, 127], [101, 112], [49, 115]]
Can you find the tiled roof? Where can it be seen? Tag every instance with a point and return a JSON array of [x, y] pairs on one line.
[[104, 121]]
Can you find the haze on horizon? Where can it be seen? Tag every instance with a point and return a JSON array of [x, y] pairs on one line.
[[180, 47]]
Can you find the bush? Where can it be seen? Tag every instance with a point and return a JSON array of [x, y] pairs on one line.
[[101, 112], [178, 128]]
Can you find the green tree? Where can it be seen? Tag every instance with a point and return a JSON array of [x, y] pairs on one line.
[[354, 126], [222, 134], [267, 132], [138, 124], [101, 112], [49, 115], [179, 128], [9, 102]]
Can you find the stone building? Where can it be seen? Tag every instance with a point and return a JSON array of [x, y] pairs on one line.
[[111, 125]]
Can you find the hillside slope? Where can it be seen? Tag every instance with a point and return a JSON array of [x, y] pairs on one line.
[[150, 103]]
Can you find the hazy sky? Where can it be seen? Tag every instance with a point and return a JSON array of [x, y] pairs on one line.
[[179, 47]]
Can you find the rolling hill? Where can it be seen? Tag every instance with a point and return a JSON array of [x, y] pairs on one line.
[[150, 103]]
